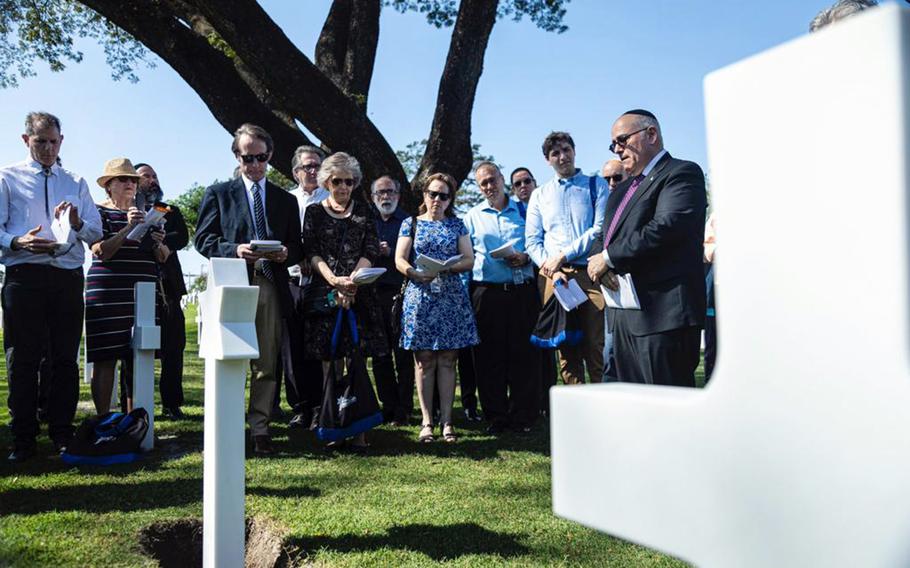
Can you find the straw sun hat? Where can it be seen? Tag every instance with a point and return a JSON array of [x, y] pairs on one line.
[[116, 168]]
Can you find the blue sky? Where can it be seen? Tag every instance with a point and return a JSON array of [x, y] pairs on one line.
[[616, 55]]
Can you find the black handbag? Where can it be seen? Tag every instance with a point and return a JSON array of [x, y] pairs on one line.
[[556, 327], [398, 300], [318, 299], [349, 405]]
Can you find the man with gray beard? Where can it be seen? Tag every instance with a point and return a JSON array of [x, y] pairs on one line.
[[396, 393], [173, 325]]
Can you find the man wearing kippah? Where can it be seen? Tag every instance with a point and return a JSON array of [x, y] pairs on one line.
[[653, 232]]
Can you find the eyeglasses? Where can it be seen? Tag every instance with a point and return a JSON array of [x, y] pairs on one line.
[[623, 139], [615, 178], [339, 181], [438, 195], [309, 168], [385, 192], [250, 158], [522, 182], [125, 179]]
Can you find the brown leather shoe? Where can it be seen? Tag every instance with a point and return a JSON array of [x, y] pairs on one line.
[[262, 445]]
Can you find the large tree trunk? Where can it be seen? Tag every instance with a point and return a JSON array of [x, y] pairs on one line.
[[245, 69]]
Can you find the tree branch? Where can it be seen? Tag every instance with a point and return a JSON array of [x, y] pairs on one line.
[[164, 27], [346, 50], [293, 83], [449, 143]]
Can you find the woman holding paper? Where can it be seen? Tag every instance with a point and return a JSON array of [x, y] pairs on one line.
[[436, 319], [118, 263], [339, 238]]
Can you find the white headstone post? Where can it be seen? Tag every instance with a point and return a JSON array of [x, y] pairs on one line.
[[798, 453], [228, 343], [146, 338]]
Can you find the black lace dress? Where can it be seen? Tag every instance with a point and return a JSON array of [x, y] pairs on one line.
[[341, 243]]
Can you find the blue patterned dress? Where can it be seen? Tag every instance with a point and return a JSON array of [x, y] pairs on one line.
[[442, 319]]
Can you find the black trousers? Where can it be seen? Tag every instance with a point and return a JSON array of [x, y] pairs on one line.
[[302, 377], [506, 364], [43, 310], [667, 358], [395, 389], [173, 343]]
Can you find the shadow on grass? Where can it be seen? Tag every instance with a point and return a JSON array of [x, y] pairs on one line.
[[295, 492], [102, 497], [440, 543]]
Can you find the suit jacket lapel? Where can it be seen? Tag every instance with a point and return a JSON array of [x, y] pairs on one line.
[[238, 196], [643, 188]]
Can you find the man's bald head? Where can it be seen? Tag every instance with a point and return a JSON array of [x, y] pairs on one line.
[[614, 173]]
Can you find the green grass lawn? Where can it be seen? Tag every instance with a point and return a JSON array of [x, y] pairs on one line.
[[484, 501]]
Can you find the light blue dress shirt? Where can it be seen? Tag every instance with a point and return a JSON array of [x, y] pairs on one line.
[[489, 230], [561, 220]]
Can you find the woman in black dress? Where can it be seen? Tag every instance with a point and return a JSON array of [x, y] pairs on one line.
[[339, 236], [117, 265]]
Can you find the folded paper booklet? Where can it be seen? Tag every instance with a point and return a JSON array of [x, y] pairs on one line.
[[623, 299], [363, 276], [154, 216], [431, 266], [265, 246], [504, 251], [570, 296]]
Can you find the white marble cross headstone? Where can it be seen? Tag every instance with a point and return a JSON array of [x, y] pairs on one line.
[[228, 344], [798, 453]]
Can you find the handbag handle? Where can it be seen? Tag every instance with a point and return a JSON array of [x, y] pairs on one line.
[[336, 333]]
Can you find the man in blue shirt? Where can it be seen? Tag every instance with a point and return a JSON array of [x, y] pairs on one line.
[[505, 299], [395, 392], [565, 218]]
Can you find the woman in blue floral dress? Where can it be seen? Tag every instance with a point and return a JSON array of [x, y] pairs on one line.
[[437, 319]]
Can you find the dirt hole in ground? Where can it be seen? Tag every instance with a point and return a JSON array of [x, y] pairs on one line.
[[178, 544]]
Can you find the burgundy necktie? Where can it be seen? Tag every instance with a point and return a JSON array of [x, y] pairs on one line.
[[622, 205]]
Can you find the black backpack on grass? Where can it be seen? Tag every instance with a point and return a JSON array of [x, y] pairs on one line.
[[108, 439]]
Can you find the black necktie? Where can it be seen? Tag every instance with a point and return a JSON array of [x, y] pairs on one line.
[[259, 212], [47, 205]]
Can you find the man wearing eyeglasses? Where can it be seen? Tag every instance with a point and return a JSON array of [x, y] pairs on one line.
[[565, 217], [654, 232], [614, 173], [231, 215], [523, 185], [395, 392], [302, 377]]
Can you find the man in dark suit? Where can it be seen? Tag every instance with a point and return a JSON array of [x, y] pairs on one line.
[[654, 231], [173, 325], [231, 215]]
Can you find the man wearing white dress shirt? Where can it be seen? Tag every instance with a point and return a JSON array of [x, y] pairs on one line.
[[302, 378], [43, 302]]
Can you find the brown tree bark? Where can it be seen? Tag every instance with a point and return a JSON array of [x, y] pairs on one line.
[[245, 69]]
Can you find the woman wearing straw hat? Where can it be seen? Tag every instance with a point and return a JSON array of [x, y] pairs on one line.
[[117, 264]]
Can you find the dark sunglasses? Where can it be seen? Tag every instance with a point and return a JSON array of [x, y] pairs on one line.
[[615, 178], [623, 139], [250, 158], [346, 181], [522, 182], [438, 195], [125, 179]]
